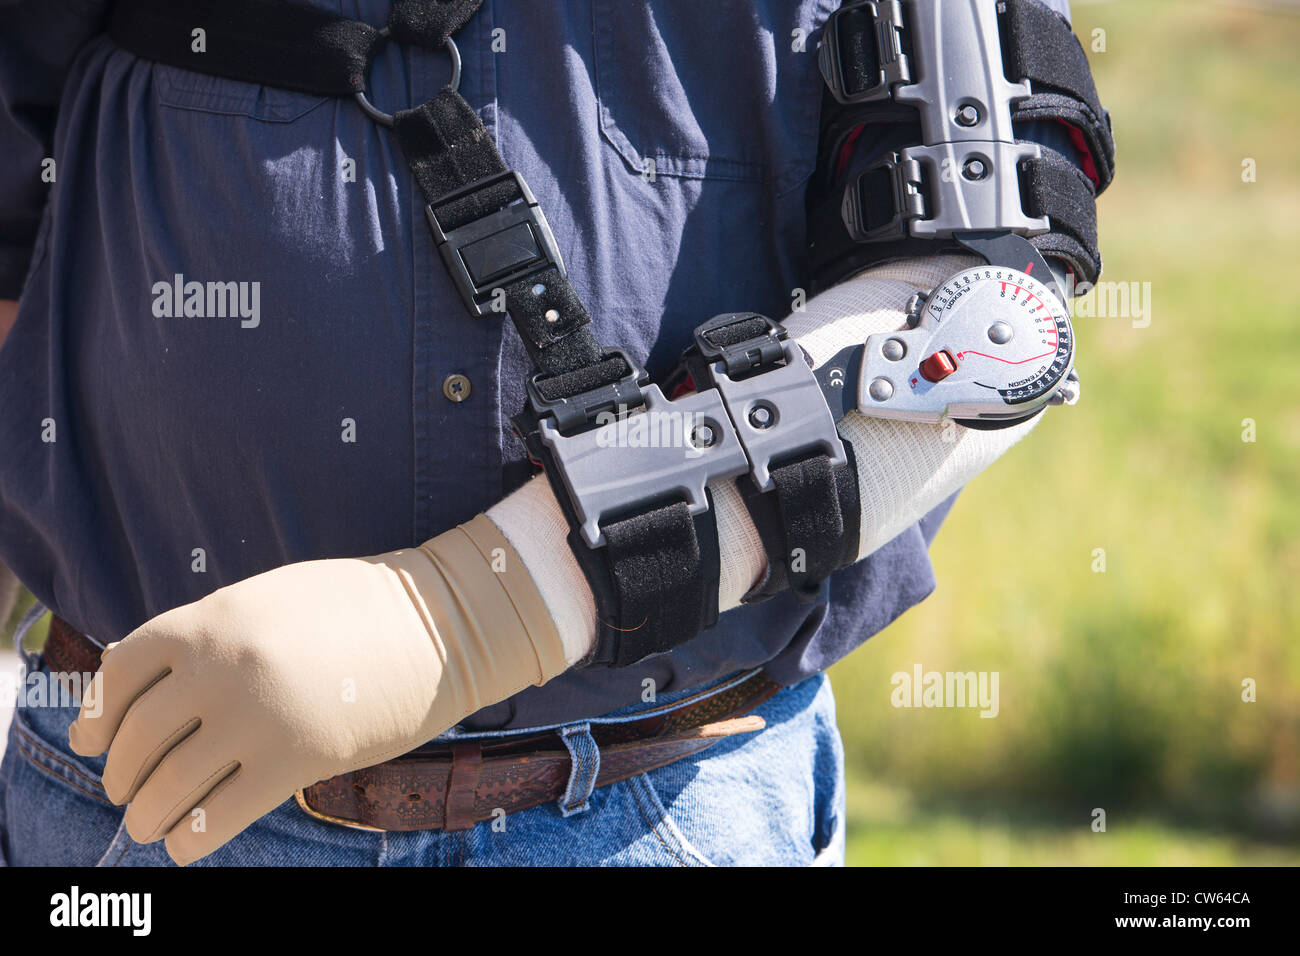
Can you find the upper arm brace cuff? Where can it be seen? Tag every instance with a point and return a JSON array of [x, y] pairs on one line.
[[951, 79]]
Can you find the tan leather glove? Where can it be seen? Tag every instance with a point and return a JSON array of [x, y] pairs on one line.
[[216, 712]]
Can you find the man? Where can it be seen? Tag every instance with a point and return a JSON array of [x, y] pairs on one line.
[[238, 364]]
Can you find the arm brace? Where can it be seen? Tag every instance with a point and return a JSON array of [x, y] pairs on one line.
[[904, 469]]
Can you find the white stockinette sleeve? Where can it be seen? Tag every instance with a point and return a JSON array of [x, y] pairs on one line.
[[905, 469]]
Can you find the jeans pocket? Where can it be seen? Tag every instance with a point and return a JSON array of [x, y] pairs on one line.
[[771, 798], [669, 839], [722, 90], [54, 810]]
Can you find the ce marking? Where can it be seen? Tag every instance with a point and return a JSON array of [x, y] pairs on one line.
[[838, 380]]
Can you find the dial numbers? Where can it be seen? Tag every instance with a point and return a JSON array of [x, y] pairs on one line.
[[1033, 359]]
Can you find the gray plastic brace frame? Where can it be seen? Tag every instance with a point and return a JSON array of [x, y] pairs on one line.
[[738, 426], [971, 164], [610, 471], [793, 417]]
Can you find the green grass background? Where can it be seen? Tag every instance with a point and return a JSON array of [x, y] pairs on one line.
[[1122, 690]]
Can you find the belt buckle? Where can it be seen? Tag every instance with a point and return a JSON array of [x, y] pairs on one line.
[[301, 796]]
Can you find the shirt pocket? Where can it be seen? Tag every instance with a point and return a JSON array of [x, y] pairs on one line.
[[190, 90], [717, 90], [187, 90]]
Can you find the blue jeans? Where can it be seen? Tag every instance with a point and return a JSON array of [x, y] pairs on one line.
[[774, 798]]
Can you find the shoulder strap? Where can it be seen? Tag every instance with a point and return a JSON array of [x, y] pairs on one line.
[[656, 576]]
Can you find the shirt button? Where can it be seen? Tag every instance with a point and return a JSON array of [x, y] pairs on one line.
[[455, 387]]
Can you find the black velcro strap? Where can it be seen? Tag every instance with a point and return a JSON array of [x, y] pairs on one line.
[[428, 23], [586, 377], [858, 53], [814, 525], [448, 147], [258, 41], [1054, 187], [726, 336], [553, 322], [809, 526], [1051, 186], [664, 568], [1039, 46], [655, 582], [859, 50]]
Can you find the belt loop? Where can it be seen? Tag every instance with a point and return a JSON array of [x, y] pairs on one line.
[[585, 755], [31, 660], [462, 785]]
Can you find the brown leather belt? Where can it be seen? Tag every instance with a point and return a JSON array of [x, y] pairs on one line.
[[68, 651], [453, 785]]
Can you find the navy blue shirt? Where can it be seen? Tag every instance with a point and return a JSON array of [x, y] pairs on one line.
[[150, 456]]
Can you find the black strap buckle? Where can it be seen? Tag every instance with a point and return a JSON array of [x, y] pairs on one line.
[[579, 412], [871, 34], [494, 250], [718, 340], [894, 181]]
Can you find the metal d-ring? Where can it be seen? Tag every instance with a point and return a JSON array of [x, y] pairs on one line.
[[386, 119]]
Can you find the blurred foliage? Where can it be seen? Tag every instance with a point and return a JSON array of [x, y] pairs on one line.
[[35, 637], [1123, 690]]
